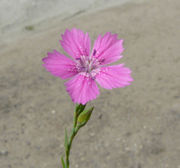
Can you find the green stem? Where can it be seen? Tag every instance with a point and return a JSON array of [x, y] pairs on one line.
[[68, 142], [75, 119], [73, 134]]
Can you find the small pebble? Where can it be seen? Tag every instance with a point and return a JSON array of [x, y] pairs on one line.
[[53, 111], [4, 153], [127, 149], [92, 134]]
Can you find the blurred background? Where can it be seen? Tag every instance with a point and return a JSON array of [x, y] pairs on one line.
[[19, 16], [133, 127]]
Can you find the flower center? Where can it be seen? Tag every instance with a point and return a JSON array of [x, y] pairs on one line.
[[88, 66]]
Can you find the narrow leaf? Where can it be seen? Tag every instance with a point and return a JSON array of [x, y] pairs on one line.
[[62, 161]]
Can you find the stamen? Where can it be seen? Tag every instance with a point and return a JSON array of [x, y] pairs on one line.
[[94, 52], [87, 66]]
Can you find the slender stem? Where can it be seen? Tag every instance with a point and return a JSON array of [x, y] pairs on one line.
[[73, 134], [75, 119], [74, 131]]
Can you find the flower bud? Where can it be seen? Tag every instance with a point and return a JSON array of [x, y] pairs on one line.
[[84, 116]]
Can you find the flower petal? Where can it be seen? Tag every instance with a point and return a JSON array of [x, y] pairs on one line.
[[76, 43], [82, 89], [107, 49], [114, 76], [59, 65]]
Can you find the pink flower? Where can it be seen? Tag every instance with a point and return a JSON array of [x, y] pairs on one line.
[[85, 68]]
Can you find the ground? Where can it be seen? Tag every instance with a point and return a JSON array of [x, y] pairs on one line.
[[133, 127]]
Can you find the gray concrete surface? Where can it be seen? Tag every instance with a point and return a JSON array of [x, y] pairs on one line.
[[17, 16], [134, 127]]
